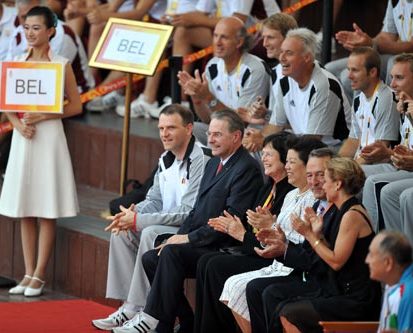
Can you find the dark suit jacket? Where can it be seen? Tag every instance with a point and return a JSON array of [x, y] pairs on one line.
[[302, 256], [234, 189]]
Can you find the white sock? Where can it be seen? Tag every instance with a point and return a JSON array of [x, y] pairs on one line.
[[131, 307]]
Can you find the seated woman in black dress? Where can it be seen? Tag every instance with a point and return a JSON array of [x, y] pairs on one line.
[[350, 295]]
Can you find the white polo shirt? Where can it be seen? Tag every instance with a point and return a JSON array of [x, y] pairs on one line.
[[7, 26], [180, 6], [223, 8], [239, 88], [276, 76], [319, 108], [399, 20], [126, 6], [375, 118], [158, 9]]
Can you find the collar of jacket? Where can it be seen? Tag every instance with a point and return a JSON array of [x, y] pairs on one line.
[[169, 158]]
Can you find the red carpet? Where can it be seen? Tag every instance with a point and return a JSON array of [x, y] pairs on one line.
[[72, 316]]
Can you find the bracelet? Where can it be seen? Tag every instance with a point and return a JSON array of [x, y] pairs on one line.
[[197, 102], [134, 222], [316, 243], [213, 103]]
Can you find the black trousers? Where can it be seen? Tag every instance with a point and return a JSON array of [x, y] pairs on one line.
[[213, 270], [167, 272], [266, 296]]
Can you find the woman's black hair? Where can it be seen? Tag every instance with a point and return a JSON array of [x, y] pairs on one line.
[[50, 18], [304, 145], [281, 142]]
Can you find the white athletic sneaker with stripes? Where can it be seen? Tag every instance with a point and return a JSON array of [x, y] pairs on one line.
[[141, 323], [116, 319], [138, 108], [106, 102]]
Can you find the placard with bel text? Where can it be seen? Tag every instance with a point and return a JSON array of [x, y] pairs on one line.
[[131, 46], [32, 87]]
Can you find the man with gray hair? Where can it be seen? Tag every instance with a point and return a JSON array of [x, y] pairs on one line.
[[309, 100], [390, 262], [233, 78]]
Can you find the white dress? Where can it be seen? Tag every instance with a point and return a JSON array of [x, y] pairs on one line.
[[39, 180], [233, 293]]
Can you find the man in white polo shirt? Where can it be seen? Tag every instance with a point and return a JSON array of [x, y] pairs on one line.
[[309, 100], [384, 188], [374, 116], [233, 78]]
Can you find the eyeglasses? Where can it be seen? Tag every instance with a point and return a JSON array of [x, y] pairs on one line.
[[215, 135], [267, 153]]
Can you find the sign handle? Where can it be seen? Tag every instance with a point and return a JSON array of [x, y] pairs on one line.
[[125, 137], [327, 25], [175, 64]]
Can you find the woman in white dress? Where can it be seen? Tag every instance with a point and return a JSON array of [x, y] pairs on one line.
[[39, 184]]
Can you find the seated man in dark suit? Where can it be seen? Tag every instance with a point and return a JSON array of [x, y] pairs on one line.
[[230, 182]]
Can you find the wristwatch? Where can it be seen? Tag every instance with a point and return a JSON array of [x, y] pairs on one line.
[[213, 103]]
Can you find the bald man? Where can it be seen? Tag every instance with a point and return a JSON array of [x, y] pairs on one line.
[[233, 78]]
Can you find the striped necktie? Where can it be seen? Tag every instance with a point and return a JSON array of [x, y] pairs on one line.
[[219, 169]]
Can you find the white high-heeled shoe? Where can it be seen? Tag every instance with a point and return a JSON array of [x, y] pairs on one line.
[[33, 292], [19, 289]]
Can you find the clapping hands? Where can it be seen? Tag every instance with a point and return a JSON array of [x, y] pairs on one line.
[[195, 86], [274, 240], [353, 39], [261, 218], [228, 224]]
